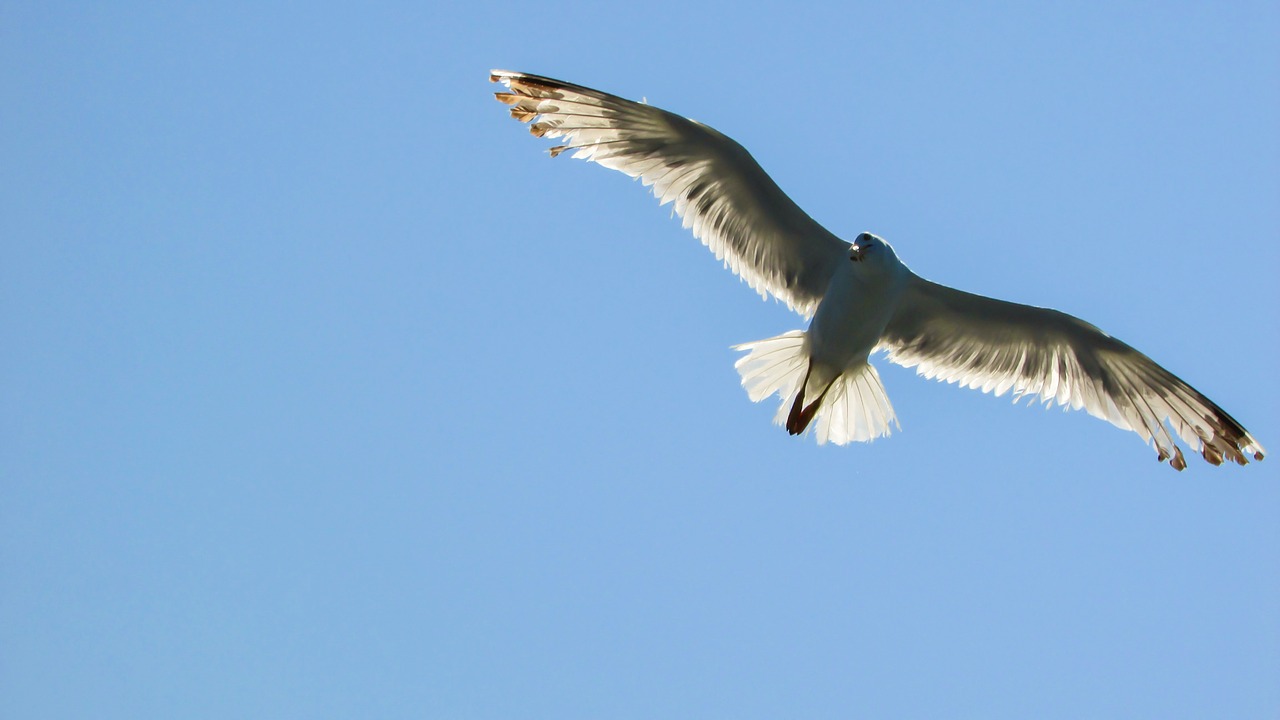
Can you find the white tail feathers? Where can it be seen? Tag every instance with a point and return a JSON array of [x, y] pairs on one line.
[[773, 366], [855, 408]]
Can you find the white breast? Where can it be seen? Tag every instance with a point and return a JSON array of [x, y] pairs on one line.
[[854, 312]]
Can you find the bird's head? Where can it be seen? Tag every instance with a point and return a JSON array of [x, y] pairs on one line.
[[868, 248]]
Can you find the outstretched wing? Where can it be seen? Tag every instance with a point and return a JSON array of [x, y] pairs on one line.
[[719, 190], [998, 346]]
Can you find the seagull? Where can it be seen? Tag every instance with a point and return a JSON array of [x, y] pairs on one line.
[[860, 298]]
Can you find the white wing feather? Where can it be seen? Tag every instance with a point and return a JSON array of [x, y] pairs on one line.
[[998, 346], [719, 190]]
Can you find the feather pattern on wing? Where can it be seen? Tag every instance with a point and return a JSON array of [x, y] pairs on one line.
[[719, 190], [996, 346]]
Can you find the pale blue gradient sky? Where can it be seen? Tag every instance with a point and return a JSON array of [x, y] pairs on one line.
[[325, 393]]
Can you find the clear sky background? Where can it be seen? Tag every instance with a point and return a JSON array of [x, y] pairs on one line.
[[326, 393]]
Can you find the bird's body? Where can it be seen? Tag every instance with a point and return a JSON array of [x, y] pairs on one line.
[[862, 298], [858, 304]]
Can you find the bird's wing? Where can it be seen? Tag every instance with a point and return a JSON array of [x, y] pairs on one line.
[[719, 190], [998, 346]]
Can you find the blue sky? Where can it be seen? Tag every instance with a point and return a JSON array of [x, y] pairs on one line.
[[325, 393]]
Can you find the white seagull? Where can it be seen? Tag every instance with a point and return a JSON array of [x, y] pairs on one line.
[[861, 297]]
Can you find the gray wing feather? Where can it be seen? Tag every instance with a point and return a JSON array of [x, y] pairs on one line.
[[998, 346], [719, 190]]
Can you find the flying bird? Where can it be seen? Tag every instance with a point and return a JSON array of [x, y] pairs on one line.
[[860, 298]]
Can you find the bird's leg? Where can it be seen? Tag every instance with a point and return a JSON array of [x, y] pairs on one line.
[[801, 415], [797, 407]]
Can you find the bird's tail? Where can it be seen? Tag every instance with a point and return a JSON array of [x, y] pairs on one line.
[[851, 406]]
